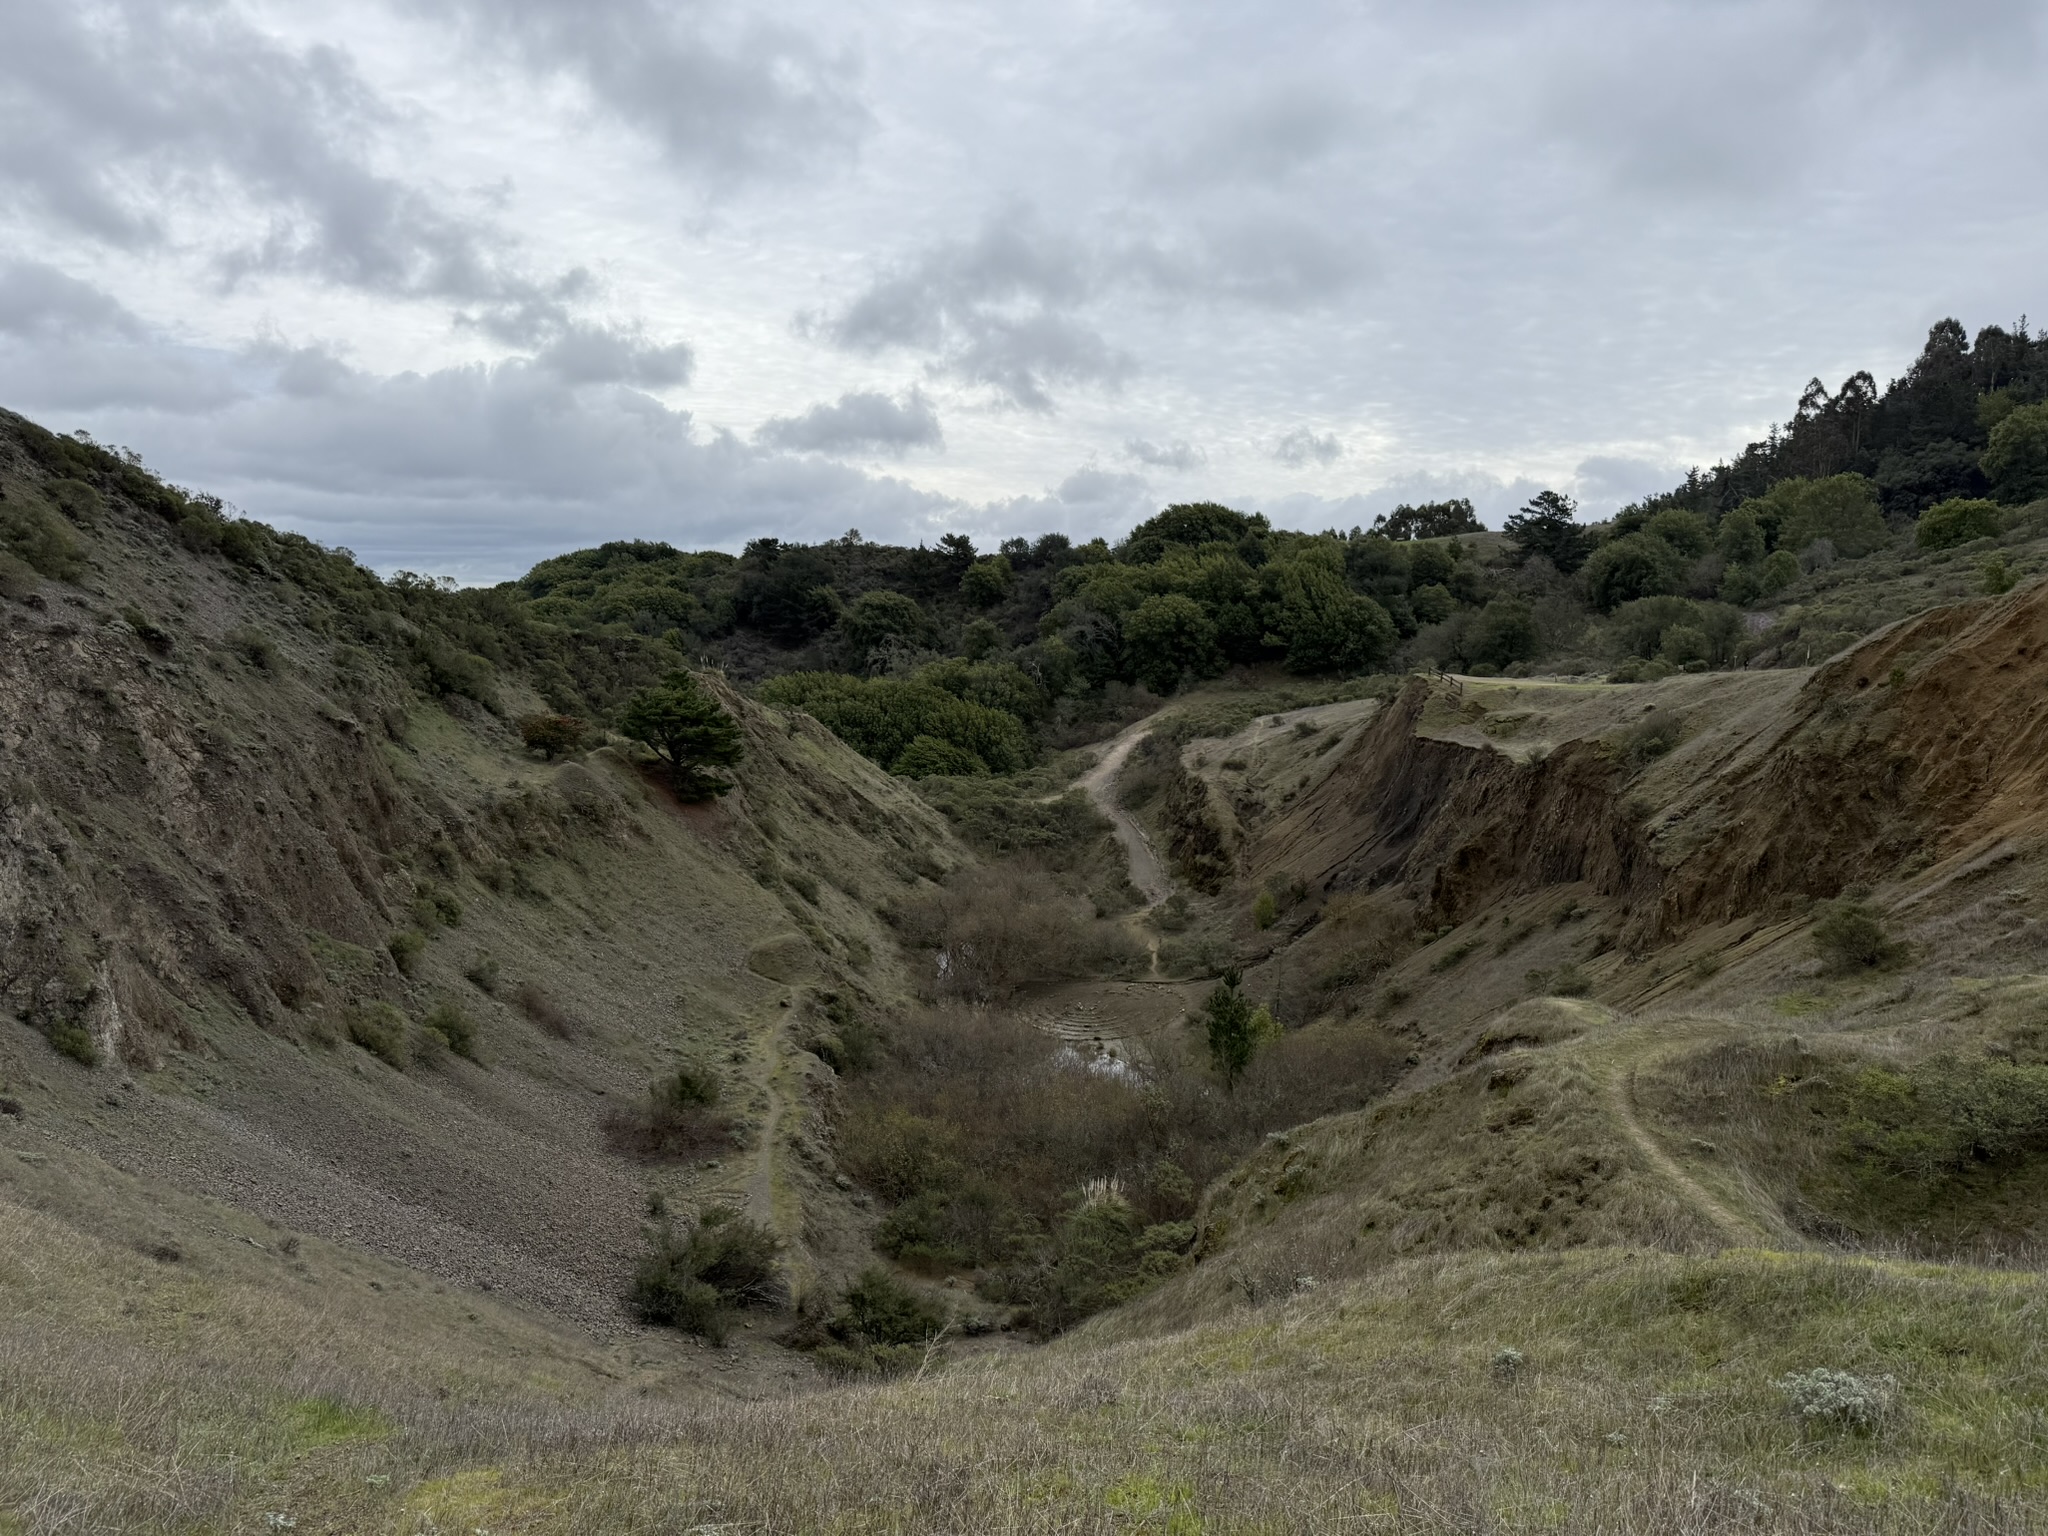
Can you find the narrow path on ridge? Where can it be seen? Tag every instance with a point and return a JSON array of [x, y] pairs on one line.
[[1763, 1226], [761, 1177], [1148, 873]]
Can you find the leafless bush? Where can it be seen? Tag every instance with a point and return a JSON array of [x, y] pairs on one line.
[[678, 1118], [994, 931], [977, 1097], [539, 1005]]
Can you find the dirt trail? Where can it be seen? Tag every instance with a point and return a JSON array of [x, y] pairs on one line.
[[1618, 1076], [761, 1177], [1148, 874]]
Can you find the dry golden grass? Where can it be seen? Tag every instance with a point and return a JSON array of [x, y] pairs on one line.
[[138, 1398]]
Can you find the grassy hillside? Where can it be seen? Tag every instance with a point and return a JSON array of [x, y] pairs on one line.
[[1599, 1390], [287, 927]]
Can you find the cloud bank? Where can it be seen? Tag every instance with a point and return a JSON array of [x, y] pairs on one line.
[[461, 283]]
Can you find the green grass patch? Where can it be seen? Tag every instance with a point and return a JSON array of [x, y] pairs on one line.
[[312, 1422], [1797, 1005]]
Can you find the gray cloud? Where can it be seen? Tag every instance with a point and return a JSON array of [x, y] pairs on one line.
[[1015, 307], [66, 345], [112, 119], [1090, 486], [477, 472], [1574, 242], [1089, 503], [725, 93], [120, 124], [1605, 484], [861, 422], [1275, 135], [1276, 259], [603, 354], [1180, 455], [38, 300], [1756, 101], [1001, 310], [1301, 447]]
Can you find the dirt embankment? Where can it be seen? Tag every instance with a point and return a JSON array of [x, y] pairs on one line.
[[1926, 744], [1452, 826]]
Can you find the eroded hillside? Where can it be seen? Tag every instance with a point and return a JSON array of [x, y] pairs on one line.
[[256, 885], [1589, 912]]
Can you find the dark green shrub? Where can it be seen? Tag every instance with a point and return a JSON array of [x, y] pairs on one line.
[[1227, 1022], [435, 907], [1633, 566], [882, 1328], [253, 646], [693, 1283], [1565, 981], [1102, 1254], [17, 579], [1452, 958], [881, 620], [380, 1029], [1779, 570], [540, 1005], [551, 735], [980, 640], [2017, 457], [77, 500], [443, 670], [1650, 737], [1959, 520], [1503, 633], [689, 731], [1937, 1119], [960, 1219], [151, 634], [968, 706], [41, 538], [454, 1026], [406, 949], [850, 1042], [1850, 937], [987, 581], [1432, 604], [928, 757], [665, 1293], [678, 1118], [880, 1309], [71, 1039]]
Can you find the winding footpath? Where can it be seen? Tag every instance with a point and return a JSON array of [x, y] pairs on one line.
[[1148, 874], [1762, 1226]]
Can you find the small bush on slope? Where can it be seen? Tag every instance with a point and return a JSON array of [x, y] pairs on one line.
[[695, 1282], [678, 1118]]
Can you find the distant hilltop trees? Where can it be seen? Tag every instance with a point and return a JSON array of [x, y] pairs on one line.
[[949, 659]]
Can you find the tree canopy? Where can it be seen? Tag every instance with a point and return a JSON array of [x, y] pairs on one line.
[[689, 730]]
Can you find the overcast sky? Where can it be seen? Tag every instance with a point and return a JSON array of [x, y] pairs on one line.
[[462, 283]]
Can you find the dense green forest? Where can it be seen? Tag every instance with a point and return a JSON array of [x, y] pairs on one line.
[[955, 660]]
